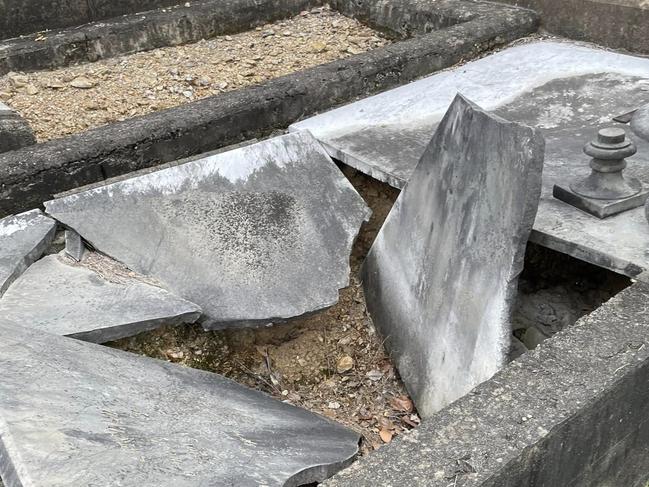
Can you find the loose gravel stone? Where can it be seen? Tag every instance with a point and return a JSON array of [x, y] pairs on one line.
[[73, 99]]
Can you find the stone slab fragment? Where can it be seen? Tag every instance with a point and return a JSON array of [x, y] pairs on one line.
[[23, 238], [566, 90], [253, 235], [56, 296], [441, 276], [78, 414], [15, 131]]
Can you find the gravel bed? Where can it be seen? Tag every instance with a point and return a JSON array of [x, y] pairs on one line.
[[73, 99]]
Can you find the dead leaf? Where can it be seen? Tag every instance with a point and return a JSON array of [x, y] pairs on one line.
[[345, 364], [386, 436], [402, 403]]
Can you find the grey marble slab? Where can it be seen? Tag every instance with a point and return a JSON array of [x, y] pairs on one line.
[[57, 296], [23, 238], [77, 414], [567, 90], [253, 235], [441, 277]]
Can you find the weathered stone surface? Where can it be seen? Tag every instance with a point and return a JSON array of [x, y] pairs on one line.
[[15, 132], [441, 275], [572, 412], [58, 297], [568, 91], [253, 235], [23, 238], [74, 246], [77, 414]]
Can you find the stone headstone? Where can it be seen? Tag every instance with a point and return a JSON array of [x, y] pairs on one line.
[[92, 305], [568, 91], [441, 276], [23, 239], [253, 235], [78, 414]]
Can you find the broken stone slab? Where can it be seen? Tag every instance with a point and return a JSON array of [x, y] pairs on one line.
[[74, 246], [441, 277], [74, 413], [253, 235], [15, 131], [569, 91], [23, 239], [96, 304]]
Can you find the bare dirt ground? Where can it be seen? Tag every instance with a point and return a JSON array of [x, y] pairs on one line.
[[70, 100]]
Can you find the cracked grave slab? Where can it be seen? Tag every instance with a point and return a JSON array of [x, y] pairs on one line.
[[567, 90], [23, 239], [55, 295], [441, 277], [258, 234], [74, 413]]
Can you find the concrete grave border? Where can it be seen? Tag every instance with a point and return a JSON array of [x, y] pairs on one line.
[[573, 412], [30, 176]]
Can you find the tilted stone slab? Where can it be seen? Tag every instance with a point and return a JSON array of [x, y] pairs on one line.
[[23, 239], [441, 276], [253, 235], [78, 414], [57, 297], [566, 90]]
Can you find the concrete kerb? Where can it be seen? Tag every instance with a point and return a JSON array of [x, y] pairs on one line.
[[619, 24], [573, 412], [30, 176]]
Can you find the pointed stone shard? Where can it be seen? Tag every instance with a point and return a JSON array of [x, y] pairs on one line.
[[74, 246], [259, 233], [64, 299], [441, 275], [23, 239], [74, 413]]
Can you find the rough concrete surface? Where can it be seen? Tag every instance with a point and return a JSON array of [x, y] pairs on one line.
[[567, 90], [15, 132], [253, 235], [77, 414], [31, 176], [441, 277], [55, 296], [620, 24], [572, 412], [23, 239]]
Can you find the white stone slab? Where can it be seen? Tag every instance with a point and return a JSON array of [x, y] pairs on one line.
[[75, 414], [56, 296], [441, 277], [385, 135], [253, 235], [23, 238]]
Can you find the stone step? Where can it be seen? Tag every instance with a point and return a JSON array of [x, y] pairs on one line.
[[258, 234], [567, 90], [78, 414]]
